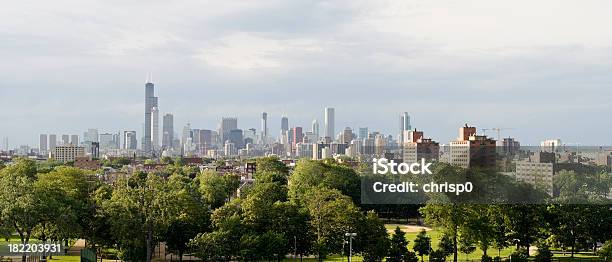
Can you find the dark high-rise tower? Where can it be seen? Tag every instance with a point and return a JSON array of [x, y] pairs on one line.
[[150, 103], [227, 124], [284, 123], [264, 127]]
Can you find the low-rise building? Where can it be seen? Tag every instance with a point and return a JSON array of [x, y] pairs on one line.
[[68, 153]]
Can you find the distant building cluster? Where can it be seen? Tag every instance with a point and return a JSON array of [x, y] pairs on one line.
[[229, 141]]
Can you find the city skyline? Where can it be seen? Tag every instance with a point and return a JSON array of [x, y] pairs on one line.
[[442, 62], [285, 122]]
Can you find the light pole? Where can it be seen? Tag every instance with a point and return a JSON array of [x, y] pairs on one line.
[[350, 236]]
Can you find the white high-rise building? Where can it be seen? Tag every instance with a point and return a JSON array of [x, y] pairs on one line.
[[187, 138], [107, 141], [404, 126], [5, 144], [315, 130], [155, 128], [91, 135], [330, 122], [129, 140]]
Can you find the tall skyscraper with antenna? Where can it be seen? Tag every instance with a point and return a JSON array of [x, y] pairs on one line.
[[150, 103]]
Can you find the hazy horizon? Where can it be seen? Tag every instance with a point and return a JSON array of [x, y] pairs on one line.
[[541, 68]]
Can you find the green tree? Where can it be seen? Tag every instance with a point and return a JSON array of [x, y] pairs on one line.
[[568, 225], [96, 223], [21, 206], [544, 254], [167, 160], [438, 256], [141, 209], [466, 245], [332, 215], [480, 226], [271, 164], [222, 243], [398, 249], [217, 189], [64, 192], [310, 173], [525, 223], [446, 245], [499, 231], [422, 244], [372, 238], [606, 251], [451, 218], [192, 217]]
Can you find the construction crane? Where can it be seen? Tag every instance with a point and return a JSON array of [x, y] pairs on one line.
[[497, 129]]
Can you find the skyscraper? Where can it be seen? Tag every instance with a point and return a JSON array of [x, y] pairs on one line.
[[91, 135], [186, 138], [404, 125], [168, 130], [363, 132], [155, 128], [74, 139], [107, 141], [315, 129], [227, 124], [298, 135], [5, 144], [329, 122], [65, 139], [129, 140], [264, 127], [235, 136], [52, 142], [284, 123], [347, 135], [42, 145], [150, 103]]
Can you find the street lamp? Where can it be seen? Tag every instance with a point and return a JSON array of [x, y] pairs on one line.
[[350, 236]]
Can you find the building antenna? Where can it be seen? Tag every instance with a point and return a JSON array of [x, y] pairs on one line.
[[150, 78]]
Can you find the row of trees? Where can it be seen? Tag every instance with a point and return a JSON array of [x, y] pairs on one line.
[[305, 213]]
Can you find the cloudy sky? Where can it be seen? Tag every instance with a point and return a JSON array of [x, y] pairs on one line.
[[541, 67]]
